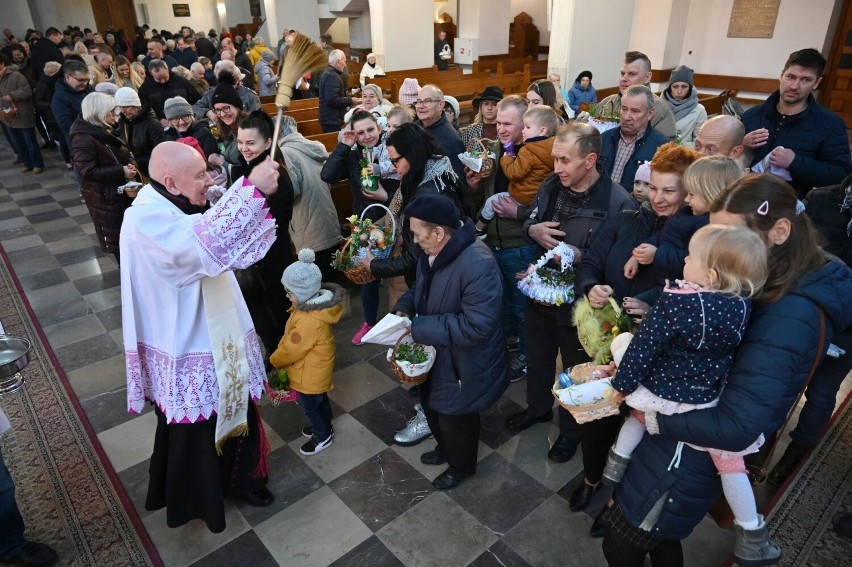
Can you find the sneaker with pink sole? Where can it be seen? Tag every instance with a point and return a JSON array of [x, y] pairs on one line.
[[365, 328]]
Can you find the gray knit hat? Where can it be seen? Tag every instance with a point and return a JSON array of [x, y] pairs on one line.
[[177, 107], [303, 278], [682, 74]]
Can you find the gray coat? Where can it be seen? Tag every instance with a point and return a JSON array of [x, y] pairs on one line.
[[457, 301], [14, 84]]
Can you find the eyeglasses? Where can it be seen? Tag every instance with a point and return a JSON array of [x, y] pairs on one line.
[[80, 79], [395, 160], [181, 119], [424, 101], [223, 110]]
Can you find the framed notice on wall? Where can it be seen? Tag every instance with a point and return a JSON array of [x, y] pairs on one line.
[[753, 18], [181, 10]]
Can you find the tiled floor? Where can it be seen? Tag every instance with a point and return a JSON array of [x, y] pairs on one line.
[[364, 501]]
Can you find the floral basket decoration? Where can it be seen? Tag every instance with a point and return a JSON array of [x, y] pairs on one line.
[[603, 116], [278, 388], [597, 328], [411, 362], [369, 182], [479, 159], [550, 286], [365, 235], [586, 392]]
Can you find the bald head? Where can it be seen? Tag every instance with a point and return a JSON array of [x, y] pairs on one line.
[[721, 135], [181, 170]]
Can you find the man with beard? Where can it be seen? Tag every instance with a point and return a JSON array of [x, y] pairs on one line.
[[796, 133]]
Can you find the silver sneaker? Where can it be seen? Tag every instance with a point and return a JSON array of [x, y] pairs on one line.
[[416, 431]]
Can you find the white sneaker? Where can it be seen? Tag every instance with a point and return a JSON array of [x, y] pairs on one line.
[[315, 444], [416, 431]]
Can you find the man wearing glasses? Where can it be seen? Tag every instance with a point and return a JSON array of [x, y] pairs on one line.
[[429, 107], [69, 94]]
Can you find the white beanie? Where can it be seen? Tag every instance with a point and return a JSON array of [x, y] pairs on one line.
[[303, 278], [454, 103], [125, 96]]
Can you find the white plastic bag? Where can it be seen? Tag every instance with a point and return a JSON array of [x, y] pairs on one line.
[[388, 330]]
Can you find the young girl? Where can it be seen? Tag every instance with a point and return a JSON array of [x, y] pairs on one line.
[[681, 355], [307, 350], [703, 180]]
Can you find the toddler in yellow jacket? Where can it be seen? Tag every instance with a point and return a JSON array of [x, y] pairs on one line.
[[306, 350]]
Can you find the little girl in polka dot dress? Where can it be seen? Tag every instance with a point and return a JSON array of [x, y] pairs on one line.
[[681, 355]]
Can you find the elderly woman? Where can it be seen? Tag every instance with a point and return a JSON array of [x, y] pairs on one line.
[[124, 75], [657, 504], [682, 97], [138, 127], [267, 78], [182, 124], [582, 92], [370, 69], [103, 162], [601, 275], [372, 102], [455, 307]]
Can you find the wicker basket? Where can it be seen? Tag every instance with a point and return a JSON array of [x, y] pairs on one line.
[[589, 412], [382, 253], [404, 378], [357, 274], [487, 163]]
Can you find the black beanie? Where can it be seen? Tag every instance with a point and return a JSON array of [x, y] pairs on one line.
[[435, 209], [226, 94]]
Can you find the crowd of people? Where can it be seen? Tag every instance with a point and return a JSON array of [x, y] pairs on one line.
[[209, 240]]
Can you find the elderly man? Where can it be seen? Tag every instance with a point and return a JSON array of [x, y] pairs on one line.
[[204, 107], [101, 72], [721, 135], [189, 343], [429, 107], [573, 206], [157, 50], [636, 70], [792, 132], [333, 101], [635, 140], [161, 85], [459, 317]]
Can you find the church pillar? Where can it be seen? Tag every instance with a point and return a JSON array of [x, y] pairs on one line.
[[402, 33], [488, 21]]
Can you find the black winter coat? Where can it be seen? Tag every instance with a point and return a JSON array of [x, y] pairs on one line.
[[43, 51], [333, 101], [344, 162], [823, 206], [457, 302], [99, 157], [66, 104], [200, 130], [643, 151], [141, 134], [156, 94], [43, 95]]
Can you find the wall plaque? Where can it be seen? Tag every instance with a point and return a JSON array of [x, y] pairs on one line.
[[181, 10], [753, 18]]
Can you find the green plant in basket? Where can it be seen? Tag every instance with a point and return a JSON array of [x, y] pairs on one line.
[[364, 235], [279, 380], [604, 113], [411, 352], [369, 182], [596, 328]]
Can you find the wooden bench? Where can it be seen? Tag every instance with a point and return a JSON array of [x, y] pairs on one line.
[[298, 104], [490, 62], [466, 89], [309, 127], [391, 84], [341, 193]]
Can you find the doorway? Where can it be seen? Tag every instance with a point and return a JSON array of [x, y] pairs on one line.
[[116, 14], [836, 88]]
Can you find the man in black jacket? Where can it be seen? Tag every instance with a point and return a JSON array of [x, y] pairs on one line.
[[46, 49], [333, 101], [161, 85]]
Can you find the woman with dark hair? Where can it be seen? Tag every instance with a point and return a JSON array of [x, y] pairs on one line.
[[228, 108], [358, 140], [261, 283], [543, 92], [803, 304]]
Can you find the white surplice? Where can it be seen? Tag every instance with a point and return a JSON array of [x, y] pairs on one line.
[[165, 255]]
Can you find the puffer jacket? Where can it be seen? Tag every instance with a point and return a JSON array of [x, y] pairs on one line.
[[770, 368], [457, 302], [824, 206], [307, 349], [314, 224], [99, 157], [14, 84], [817, 136], [577, 95], [141, 133]]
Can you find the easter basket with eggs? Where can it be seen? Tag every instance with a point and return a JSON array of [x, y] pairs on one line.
[[479, 159], [365, 235], [550, 286]]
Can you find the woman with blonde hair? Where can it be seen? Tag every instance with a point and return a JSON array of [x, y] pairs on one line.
[[139, 69], [124, 75], [103, 162]]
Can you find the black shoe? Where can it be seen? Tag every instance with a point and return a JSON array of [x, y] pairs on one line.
[[414, 391], [447, 480], [601, 524], [581, 496], [433, 458], [787, 464], [47, 146], [33, 554], [563, 449], [259, 498], [523, 420]]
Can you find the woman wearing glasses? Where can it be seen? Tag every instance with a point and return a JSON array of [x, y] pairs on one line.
[[228, 108], [138, 127], [182, 124]]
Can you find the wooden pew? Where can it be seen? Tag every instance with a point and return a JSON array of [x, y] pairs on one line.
[[486, 62], [309, 127], [298, 104], [298, 115], [466, 88], [341, 193], [391, 84]]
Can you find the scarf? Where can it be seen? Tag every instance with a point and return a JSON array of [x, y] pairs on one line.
[[681, 108], [846, 207]]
